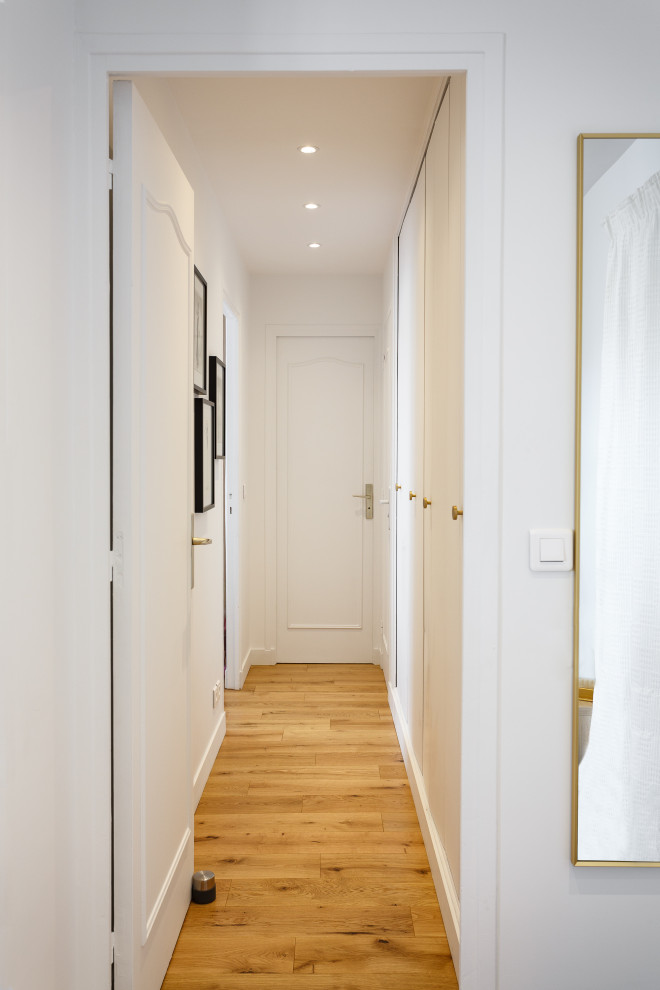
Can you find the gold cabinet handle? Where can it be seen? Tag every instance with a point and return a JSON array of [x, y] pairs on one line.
[[456, 512], [411, 496], [201, 541], [426, 502], [397, 488]]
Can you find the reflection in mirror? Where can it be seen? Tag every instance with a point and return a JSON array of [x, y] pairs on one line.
[[616, 787]]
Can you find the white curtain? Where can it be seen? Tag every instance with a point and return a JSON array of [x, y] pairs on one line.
[[619, 777]]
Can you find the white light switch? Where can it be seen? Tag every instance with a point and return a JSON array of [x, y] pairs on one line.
[[551, 549]]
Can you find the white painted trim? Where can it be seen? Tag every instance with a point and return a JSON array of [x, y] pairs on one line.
[[232, 507], [440, 870], [261, 658], [148, 923], [207, 761], [244, 670], [482, 57]]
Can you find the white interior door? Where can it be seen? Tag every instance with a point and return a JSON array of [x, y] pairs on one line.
[[410, 467], [152, 276], [324, 460]]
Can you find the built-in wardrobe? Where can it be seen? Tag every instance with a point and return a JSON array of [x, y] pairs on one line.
[[429, 494]]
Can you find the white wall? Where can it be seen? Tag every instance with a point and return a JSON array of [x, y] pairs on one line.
[[304, 300], [590, 66], [219, 263], [54, 842]]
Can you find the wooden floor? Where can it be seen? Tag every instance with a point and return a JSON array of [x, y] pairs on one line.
[[309, 826]]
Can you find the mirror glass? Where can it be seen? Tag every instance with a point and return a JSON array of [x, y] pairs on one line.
[[616, 785]]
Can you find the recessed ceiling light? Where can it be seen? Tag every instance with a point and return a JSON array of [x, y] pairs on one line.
[[308, 149], [311, 206], [314, 244]]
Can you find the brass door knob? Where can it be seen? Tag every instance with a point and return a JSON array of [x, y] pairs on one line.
[[426, 502], [456, 512], [411, 496]]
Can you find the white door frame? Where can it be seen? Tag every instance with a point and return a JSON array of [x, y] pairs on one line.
[[482, 57], [232, 498]]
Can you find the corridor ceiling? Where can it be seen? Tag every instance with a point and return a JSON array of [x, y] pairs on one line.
[[370, 132]]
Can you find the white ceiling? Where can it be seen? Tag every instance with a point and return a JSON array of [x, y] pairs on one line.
[[370, 132]]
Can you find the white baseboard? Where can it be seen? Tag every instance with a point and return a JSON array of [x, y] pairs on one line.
[[261, 658], [204, 768], [385, 657], [243, 670], [444, 882]]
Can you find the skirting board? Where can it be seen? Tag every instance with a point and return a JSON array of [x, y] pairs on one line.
[[204, 769], [444, 882], [260, 658]]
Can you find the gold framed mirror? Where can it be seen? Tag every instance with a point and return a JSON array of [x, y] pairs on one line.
[[616, 696]]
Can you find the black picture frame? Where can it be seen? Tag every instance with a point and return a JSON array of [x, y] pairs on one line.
[[199, 333], [204, 460], [217, 397]]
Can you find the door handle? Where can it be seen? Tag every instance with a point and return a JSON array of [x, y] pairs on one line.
[[195, 541], [456, 512], [368, 501]]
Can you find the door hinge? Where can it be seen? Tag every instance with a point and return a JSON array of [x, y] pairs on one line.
[[111, 172], [116, 560]]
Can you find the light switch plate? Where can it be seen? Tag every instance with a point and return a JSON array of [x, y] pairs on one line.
[[551, 549]]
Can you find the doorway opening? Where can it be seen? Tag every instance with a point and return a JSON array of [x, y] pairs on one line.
[[476, 372]]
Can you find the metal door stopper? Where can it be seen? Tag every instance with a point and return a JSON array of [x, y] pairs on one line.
[[203, 887]]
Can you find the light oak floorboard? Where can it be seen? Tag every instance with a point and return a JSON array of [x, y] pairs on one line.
[[416, 893], [445, 980], [308, 823], [230, 954], [312, 918], [290, 714], [369, 954], [394, 772]]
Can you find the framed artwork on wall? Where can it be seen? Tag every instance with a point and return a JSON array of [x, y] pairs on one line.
[[199, 334], [204, 461], [217, 397]]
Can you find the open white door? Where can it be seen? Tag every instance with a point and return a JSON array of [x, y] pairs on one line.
[[153, 222]]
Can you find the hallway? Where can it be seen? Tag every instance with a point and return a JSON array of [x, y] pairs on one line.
[[308, 823]]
